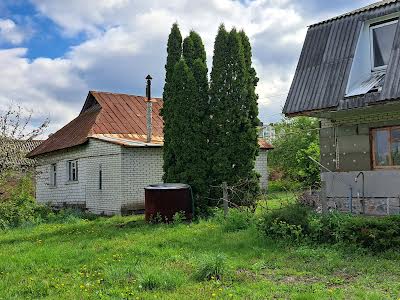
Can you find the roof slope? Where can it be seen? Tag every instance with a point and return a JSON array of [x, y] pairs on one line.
[[359, 10], [13, 152], [106, 114], [114, 118], [325, 62]]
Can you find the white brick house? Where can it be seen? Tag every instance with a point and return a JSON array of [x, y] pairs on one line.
[[102, 160]]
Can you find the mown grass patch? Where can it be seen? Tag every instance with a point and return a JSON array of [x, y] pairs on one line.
[[125, 258]]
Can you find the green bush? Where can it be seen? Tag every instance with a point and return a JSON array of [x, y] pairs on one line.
[[236, 219], [298, 223], [211, 267], [21, 207]]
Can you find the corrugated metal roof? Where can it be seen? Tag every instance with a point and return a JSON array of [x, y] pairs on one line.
[[106, 113], [114, 118], [13, 152], [325, 62], [359, 10]]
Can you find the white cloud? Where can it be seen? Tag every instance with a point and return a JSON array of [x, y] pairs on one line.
[[48, 87], [10, 32], [126, 40]]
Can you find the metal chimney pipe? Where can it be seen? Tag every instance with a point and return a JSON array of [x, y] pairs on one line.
[[149, 109]]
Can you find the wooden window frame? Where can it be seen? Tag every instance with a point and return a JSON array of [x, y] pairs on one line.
[[53, 175], [70, 170], [372, 139]]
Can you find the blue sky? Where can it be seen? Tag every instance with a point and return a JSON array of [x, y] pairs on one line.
[[53, 51]]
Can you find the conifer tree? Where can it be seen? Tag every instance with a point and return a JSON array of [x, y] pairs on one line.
[[197, 121], [174, 54], [233, 144]]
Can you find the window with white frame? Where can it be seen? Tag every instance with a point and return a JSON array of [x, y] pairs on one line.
[[381, 41], [72, 167], [53, 174], [372, 56]]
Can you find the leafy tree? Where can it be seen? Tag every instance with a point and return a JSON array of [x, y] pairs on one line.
[[16, 129], [296, 139], [233, 105]]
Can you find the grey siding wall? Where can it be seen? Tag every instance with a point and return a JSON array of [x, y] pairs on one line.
[[352, 131], [86, 189], [382, 191], [382, 188]]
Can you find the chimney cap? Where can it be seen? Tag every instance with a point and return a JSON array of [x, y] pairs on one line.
[[148, 77]]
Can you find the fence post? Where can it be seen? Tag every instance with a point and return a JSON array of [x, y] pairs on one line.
[[225, 197], [322, 196]]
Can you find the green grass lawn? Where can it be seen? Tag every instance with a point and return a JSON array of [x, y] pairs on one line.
[[124, 258]]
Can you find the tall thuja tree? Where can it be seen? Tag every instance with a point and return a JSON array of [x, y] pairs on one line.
[[197, 113], [234, 117], [184, 86], [219, 112], [174, 54], [249, 148]]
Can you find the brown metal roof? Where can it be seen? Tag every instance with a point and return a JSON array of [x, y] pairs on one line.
[[264, 144], [104, 114], [115, 118]]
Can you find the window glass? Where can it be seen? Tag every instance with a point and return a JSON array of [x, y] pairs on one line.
[[73, 170], [53, 175], [381, 140], [382, 42], [395, 146]]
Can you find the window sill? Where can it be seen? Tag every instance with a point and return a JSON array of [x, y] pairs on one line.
[[72, 182]]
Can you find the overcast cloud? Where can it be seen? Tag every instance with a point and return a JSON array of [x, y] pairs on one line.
[[121, 41]]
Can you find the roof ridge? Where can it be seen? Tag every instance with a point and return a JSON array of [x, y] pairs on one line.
[[125, 94], [362, 9]]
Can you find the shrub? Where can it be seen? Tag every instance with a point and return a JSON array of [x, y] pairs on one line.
[[211, 267], [293, 214], [21, 206], [236, 219], [298, 223]]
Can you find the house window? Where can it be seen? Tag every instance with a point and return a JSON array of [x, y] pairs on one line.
[[100, 178], [73, 170], [386, 147], [381, 40], [53, 174]]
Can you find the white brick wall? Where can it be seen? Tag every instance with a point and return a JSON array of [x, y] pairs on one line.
[[261, 167], [141, 167], [86, 190], [125, 173]]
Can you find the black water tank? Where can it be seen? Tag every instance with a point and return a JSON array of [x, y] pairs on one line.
[[166, 199]]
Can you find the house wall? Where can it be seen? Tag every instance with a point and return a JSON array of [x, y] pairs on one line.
[[140, 167], [125, 174], [86, 190], [261, 168], [346, 150]]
